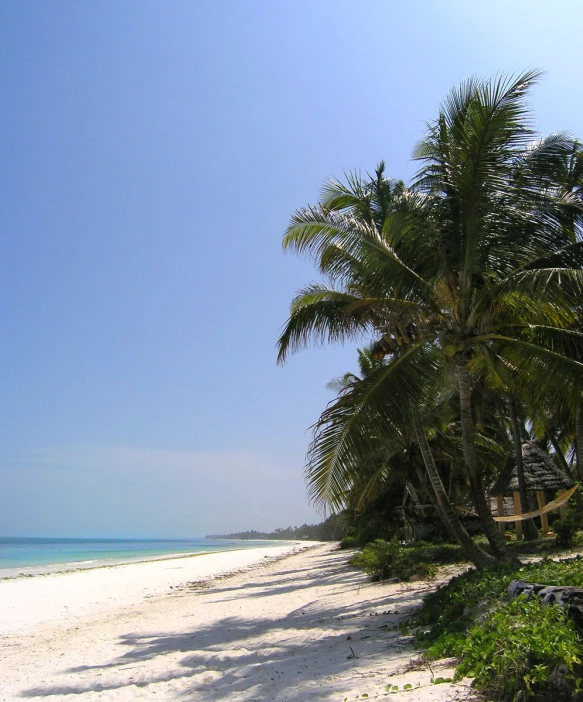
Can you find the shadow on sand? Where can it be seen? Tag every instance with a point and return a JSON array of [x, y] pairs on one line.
[[257, 658]]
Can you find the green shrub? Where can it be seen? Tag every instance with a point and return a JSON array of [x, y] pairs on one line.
[[436, 553], [565, 528], [448, 612], [387, 559], [349, 542], [375, 559], [514, 649]]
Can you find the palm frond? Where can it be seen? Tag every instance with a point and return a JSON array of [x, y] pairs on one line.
[[540, 372], [468, 156], [348, 431], [320, 314]]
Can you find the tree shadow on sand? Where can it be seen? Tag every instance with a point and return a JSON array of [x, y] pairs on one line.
[[307, 651]]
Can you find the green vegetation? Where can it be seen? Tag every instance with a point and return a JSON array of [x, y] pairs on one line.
[[332, 529], [513, 648], [468, 283], [381, 559], [350, 541], [566, 528]]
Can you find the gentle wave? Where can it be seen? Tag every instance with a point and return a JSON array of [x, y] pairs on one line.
[[41, 556]]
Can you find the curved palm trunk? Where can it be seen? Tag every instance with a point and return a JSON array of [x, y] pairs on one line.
[[478, 557], [430, 493], [566, 467], [579, 441], [530, 530], [487, 522]]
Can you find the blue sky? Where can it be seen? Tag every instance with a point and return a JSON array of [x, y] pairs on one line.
[[152, 154]]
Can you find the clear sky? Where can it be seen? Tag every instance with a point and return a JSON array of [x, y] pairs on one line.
[[151, 155]]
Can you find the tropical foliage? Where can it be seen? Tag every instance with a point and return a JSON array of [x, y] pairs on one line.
[[468, 282], [515, 650], [332, 529]]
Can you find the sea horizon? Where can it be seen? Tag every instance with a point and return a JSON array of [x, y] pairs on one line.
[[42, 555]]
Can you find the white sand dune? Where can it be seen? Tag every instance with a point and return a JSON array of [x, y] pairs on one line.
[[296, 623]]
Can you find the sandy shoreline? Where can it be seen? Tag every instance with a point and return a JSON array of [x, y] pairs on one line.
[[283, 623], [27, 571], [26, 602]]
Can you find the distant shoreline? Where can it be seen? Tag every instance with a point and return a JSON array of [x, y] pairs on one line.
[[19, 572], [244, 538]]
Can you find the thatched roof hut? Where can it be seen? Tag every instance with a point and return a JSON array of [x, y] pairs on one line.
[[540, 473]]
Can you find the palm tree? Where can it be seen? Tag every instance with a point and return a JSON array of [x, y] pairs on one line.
[[495, 216], [475, 262], [368, 431], [567, 179]]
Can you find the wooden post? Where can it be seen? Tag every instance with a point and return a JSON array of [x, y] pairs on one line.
[[517, 511], [544, 520], [563, 508], [500, 504]]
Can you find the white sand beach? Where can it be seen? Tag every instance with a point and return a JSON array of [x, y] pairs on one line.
[[284, 623]]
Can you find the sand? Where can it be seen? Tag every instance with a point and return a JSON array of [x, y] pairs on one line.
[[284, 623]]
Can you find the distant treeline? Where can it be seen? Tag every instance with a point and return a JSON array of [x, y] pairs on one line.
[[332, 529]]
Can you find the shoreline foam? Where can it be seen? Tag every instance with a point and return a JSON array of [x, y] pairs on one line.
[[41, 570]]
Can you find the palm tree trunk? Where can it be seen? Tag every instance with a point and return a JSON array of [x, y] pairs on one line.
[[487, 522], [479, 558], [579, 440], [430, 493], [566, 467], [530, 530]]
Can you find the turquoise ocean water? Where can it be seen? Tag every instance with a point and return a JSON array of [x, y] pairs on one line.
[[34, 556]]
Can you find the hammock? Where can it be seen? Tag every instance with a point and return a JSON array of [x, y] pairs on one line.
[[555, 504], [537, 513]]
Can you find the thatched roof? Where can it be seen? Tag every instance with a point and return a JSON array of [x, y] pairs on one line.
[[540, 473]]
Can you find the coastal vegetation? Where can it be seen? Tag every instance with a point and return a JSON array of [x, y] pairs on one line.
[[513, 648], [331, 529], [468, 284], [464, 289]]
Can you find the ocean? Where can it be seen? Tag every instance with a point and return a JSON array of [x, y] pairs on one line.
[[37, 556]]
